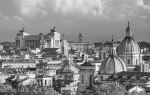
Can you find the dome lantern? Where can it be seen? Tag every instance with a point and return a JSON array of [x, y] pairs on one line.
[[128, 44], [128, 30]]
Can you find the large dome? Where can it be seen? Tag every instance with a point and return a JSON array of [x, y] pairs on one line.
[[128, 44], [112, 64]]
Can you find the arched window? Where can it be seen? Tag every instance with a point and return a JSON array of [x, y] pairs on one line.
[[45, 82], [129, 62]]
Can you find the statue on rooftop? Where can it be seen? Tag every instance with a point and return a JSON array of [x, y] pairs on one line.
[[22, 30], [52, 29]]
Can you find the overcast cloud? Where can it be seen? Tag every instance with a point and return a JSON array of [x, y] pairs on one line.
[[96, 19]]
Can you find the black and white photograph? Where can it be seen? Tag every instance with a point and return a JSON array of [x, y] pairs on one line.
[[74, 47]]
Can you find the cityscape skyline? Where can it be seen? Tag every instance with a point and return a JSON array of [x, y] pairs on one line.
[[97, 20], [74, 47]]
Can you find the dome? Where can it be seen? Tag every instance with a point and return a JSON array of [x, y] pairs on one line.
[[128, 44], [112, 64], [66, 67]]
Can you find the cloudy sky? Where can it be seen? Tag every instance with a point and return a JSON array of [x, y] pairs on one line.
[[97, 20]]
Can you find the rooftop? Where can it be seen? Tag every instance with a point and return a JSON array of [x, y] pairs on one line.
[[130, 76], [18, 61], [86, 64]]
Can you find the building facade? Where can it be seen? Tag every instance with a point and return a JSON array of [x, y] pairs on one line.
[[65, 47], [129, 50], [82, 47], [49, 40], [86, 76], [19, 64]]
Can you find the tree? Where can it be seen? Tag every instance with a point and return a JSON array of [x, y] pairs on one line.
[[107, 89], [90, 51], [137, 69], [6, 89]]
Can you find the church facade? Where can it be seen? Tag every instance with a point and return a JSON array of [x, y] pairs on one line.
[[129, 50], [127, 57]]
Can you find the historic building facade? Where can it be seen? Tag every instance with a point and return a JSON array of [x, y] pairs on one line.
[[129, 50], [65, 47], [67, 77], [49, 40], [82, 46], [86, 76]]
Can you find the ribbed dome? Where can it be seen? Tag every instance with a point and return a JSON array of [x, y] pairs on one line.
[[128, 44], [112, 64]]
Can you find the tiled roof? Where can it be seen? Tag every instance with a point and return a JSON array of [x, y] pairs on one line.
[[50, 50], [147, 89], [130, 76], [66, 68], [41, 65], [21, 80], [11, 77], [128, 87], [31, 69], [86, 64], [134, 73], [42, 76]]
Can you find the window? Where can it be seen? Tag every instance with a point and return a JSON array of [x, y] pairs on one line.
[[50, 83], [129, 62], [90, 79], [101, 77], [104, 55], [136, 62], [49, 43], [82, 79], [45, 82], [41, 82], [18, 43], [100, 55]]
